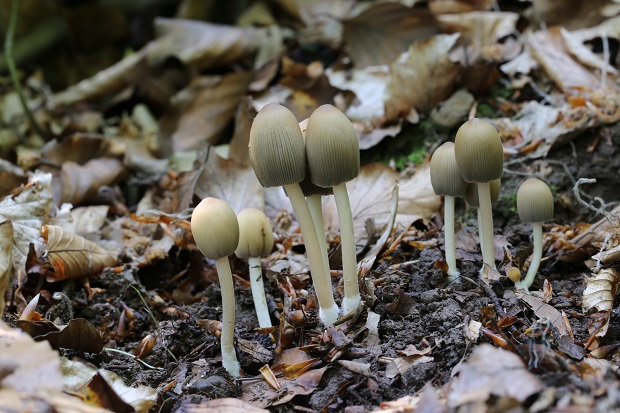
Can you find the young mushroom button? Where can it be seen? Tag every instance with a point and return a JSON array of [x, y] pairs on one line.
[[216, 232], [447, 181], [332, 151], [255, 241], [278, 156], [480, 158], [535, 206]]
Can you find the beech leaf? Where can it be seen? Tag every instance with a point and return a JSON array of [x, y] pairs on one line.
[[73, 256]]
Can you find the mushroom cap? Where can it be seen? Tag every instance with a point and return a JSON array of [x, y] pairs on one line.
[[471, 193], [479, 151], [277, 150], [255, 234], [445, 176], [332, 147], [215, 228], [534, 201]]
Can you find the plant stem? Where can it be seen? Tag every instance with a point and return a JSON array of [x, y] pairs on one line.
[[258, 292], [352, 297], [536, 257], [316, 210], [229, 358], [319, 268], [479, 220], [449, 244], [485, 225], [8, 53]]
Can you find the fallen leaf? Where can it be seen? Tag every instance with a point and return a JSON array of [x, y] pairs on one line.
[[81, 182], [6, 260], [224, 405], [601, 290], [458, 6], [357, 367], [401, 365], [79, 334], [382, 31], [85, 220], [544, 311], [571, 14], [422, 77], [491, 371], [73, 256]]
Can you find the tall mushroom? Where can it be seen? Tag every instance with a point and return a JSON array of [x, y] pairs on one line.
[[278, 156], [480, 158], [471, 196], [216, 232], [255, 241], [535, 206], [447, 181], [332, 151]]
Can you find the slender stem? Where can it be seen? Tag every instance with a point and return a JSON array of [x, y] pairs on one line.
[[479, 220], [536, 256], [352, 297], [229, 358], [10, 63], [449, 244], [258, 292], [316, 210], [485, 224], [319, 269]]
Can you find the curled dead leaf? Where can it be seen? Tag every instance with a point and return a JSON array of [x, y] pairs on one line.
[[601, 290], [73, 256]]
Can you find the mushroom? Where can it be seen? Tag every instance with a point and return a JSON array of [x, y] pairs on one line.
[[332, 152], [471, 196], [216, 232], [535, 206], [480, 158], [255, 241], [447, 181], [278, 157]]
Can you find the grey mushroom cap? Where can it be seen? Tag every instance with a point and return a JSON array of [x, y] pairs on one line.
[[534, 201], [215, 228], [255, 234], [332, 147], [479, 151], [277, 151], [471, 194], [446, 178]]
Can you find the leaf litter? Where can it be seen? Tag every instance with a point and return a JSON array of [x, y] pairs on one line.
[[135, 142]]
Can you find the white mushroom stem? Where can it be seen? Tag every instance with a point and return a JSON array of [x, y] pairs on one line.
[[449, 244], [319, 268], [479, 220], [536, 257], [485, 225], [258, 292], [316, 210], [229, 358], [352, 297]]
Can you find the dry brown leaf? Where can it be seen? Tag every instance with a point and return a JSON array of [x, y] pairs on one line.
[[85, 220], [422, 77], [202, 111], [80, 182], [381, 32], [6, 260], [601, 290], [572, 14], [79, 148], [544, 311], [224, 405], [458, 6], [73, 256], [492, 371], [400, 365], [78, 335]]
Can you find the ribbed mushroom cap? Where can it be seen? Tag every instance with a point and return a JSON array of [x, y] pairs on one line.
[[479, 152], [471, 193], [534, 201], [332, 148], [277, 150], [309, 188], [445, 176], [255, 234], [215, 228]]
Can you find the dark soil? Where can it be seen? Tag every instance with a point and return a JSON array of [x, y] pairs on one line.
[[415, 303]]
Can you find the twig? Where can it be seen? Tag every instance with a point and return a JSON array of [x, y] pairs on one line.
[[8, 53], [144, 363], [159, 334]]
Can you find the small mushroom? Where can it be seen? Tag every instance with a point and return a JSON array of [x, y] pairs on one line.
[[535, 206], [278, 156], [255, 241], [471, 197], [447, 181], [332, 151], [216, 232], [480, 158]]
